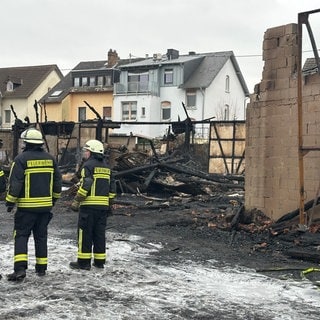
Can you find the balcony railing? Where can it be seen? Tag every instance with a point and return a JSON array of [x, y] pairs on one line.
[[137, 88]]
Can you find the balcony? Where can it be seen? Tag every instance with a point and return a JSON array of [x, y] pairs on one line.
[[150, 87]]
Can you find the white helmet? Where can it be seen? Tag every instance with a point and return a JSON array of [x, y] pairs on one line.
[[94, 146], [33, 136]]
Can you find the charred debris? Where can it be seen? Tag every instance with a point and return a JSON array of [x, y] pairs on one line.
[[209, 201], [177, 180]]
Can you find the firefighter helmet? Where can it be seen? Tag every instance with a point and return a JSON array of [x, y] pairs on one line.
[[33, 136], [94, 146]]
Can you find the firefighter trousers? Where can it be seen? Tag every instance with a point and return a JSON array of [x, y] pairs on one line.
[[91, 236], [26, 222]]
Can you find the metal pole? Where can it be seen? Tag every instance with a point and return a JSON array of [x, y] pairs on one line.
[[302, 217], [303, 19]]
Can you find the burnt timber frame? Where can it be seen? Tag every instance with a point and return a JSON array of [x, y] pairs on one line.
[[233, 156]]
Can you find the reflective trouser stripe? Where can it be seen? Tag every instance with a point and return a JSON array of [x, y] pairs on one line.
[[20, 257], [42, 261], [99, 256], [82, 255]]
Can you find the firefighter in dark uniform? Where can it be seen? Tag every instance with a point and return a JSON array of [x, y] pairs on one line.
[[93, 201], [34, 186], [3, 184], [3, 179]]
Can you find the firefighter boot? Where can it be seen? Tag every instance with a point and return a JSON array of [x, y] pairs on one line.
[[17, 275], [76, 265], [98, 265], [40, 271]]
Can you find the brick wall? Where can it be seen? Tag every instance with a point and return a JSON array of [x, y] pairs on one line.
[[272, 166]]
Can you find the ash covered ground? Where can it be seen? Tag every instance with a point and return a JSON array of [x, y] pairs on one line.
[[163, 263]]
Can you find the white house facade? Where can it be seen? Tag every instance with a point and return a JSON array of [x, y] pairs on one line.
[[154, 90]]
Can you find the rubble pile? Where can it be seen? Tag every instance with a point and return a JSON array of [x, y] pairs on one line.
[[214, 201]]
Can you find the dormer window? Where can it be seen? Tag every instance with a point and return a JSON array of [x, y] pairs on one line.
[[100, 81], [108, 80], [92, 81], [84, 81], [76, 82], [56, 93], [10, 86]]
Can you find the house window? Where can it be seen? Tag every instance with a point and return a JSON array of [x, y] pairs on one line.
[[168, 76], [108, 80], [82, 113], [129, 110], [56, 93], [76, 82], [107, 113], [191, 98], [7, 116], [165, 110], [138, 82], [92, 81], [143, 112], [100, 81], [226, 114], [84, 81], [9, 86], [227, 84]]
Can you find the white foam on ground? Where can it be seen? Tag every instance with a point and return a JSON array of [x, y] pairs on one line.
[[134, 285]]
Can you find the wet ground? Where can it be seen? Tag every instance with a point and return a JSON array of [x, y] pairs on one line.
[[163, 263]]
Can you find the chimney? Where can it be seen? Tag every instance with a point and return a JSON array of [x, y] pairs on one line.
[[172, 54], [113, 58]]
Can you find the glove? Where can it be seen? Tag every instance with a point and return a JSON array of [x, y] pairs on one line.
[[79, 197], [75, 205], [10, 206], [54, 200]]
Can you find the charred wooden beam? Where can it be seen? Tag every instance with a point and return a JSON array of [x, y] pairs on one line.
[[143, 168], [135, 170], [180, 169], [237, 217], [303, 254], [290, 215], [149, 178]]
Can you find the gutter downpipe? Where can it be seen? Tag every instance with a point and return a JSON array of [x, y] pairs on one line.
[[245, 107], [202, 112]]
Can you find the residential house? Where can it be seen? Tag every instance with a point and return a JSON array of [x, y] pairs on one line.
[[89, 83], [153, 90], [310, 66], [20, 87]]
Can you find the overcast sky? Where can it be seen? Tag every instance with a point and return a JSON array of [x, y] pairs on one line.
[[65, 32]]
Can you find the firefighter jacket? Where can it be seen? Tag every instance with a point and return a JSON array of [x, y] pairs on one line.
[[34, 181], [97, 185]]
